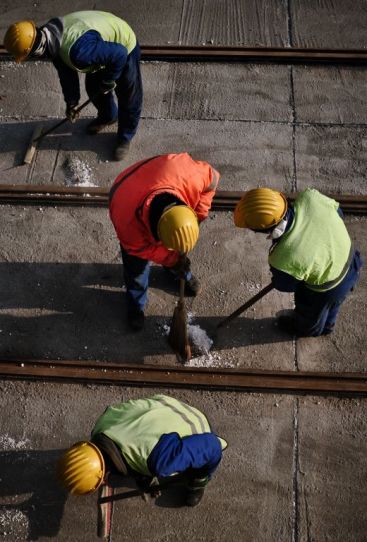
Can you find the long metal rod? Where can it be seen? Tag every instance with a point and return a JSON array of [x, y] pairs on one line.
[[185, 377], [207, 53], [26, 194]]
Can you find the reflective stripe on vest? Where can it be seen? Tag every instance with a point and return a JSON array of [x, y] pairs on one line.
[[136, 426], [317, 246], [110, 27]]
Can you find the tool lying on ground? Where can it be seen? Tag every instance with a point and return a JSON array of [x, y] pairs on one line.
[[246, 305], [104, 505], [178, 335], [39, 134]]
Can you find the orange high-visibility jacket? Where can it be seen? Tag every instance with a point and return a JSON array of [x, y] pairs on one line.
[[191, 181]]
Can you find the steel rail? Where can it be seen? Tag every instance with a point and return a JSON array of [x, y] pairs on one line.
[[207, 53], [185, 377], [26, 194]]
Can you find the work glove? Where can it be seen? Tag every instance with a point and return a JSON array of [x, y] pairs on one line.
[[107, 86], [71, 113], [182, 266]]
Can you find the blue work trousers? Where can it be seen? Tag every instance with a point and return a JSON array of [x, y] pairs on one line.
[[316, 312], [136, 276], [129, 92]]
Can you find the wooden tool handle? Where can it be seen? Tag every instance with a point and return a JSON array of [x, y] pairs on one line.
[[246, 305]]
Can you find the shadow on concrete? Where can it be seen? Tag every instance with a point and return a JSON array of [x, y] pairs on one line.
[[172, 490], [73, 311], [78, 311], [28, 486], [16, 136]]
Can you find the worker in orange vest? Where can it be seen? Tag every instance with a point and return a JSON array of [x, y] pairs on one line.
[[156, 206]]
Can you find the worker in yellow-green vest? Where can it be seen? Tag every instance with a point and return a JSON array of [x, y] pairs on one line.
[[156, 437], [102, 46], [311, 254]]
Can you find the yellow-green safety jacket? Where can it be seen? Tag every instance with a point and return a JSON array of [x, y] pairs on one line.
[[137, 425], [111, 28], [317, 248]]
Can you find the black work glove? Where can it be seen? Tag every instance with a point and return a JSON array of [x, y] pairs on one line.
[[182, 266], [71, 113], [107, 86]]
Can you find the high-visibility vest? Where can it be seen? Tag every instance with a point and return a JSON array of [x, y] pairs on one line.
[[111, 28], [317, 248], [191, 181], [137, 425]]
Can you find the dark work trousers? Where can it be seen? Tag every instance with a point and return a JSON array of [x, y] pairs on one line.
[[129, 92], [136, 276], [316, 312]]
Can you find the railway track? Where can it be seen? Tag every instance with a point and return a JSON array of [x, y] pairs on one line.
[[240, 380], [212, 53], [98, 197]]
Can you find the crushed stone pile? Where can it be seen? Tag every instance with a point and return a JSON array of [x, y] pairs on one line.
[[78, 173]]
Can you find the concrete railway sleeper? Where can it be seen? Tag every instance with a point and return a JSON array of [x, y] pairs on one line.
[[98, 196], [76, 371]]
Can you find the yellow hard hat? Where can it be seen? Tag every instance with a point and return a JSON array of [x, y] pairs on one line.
[[178, 228], [260, 209], [19, 39], [81, 469]]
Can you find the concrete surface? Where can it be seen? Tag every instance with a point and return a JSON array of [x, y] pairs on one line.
[[294, 23], [286, 458], [296, 466], [332, 470]]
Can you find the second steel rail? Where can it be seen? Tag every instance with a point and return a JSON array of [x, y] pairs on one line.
[[225, 200]]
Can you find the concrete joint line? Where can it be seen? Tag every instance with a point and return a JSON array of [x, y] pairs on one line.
[[295, 485]]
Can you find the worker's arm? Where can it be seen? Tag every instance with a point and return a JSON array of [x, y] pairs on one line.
[[173, 454], [91, 50], [283, 281], [206, 198], [69, 81]]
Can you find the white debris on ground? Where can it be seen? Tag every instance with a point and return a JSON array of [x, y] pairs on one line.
[[79, 173], [9, 443], [12, 520], [201, 344]]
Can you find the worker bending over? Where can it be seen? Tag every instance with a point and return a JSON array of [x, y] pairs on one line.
[[145, 438], [156, 206], [311, 254], [99, 44]]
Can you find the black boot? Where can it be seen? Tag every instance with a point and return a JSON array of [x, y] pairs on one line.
[[121, 150], [195, 491], [192, 287], [135, 318]]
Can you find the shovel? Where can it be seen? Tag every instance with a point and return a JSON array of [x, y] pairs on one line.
[[178, 336], [39, 134], [246, 305]]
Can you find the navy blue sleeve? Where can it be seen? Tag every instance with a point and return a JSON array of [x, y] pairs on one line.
[[283, 281], [340, 212], [173, 454], [69, 81], [91, 50]]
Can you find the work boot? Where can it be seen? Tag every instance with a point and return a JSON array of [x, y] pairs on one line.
[[192, 287], [195, 491], [97, 125], [287, 324], [135, 318], [121, 150]]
